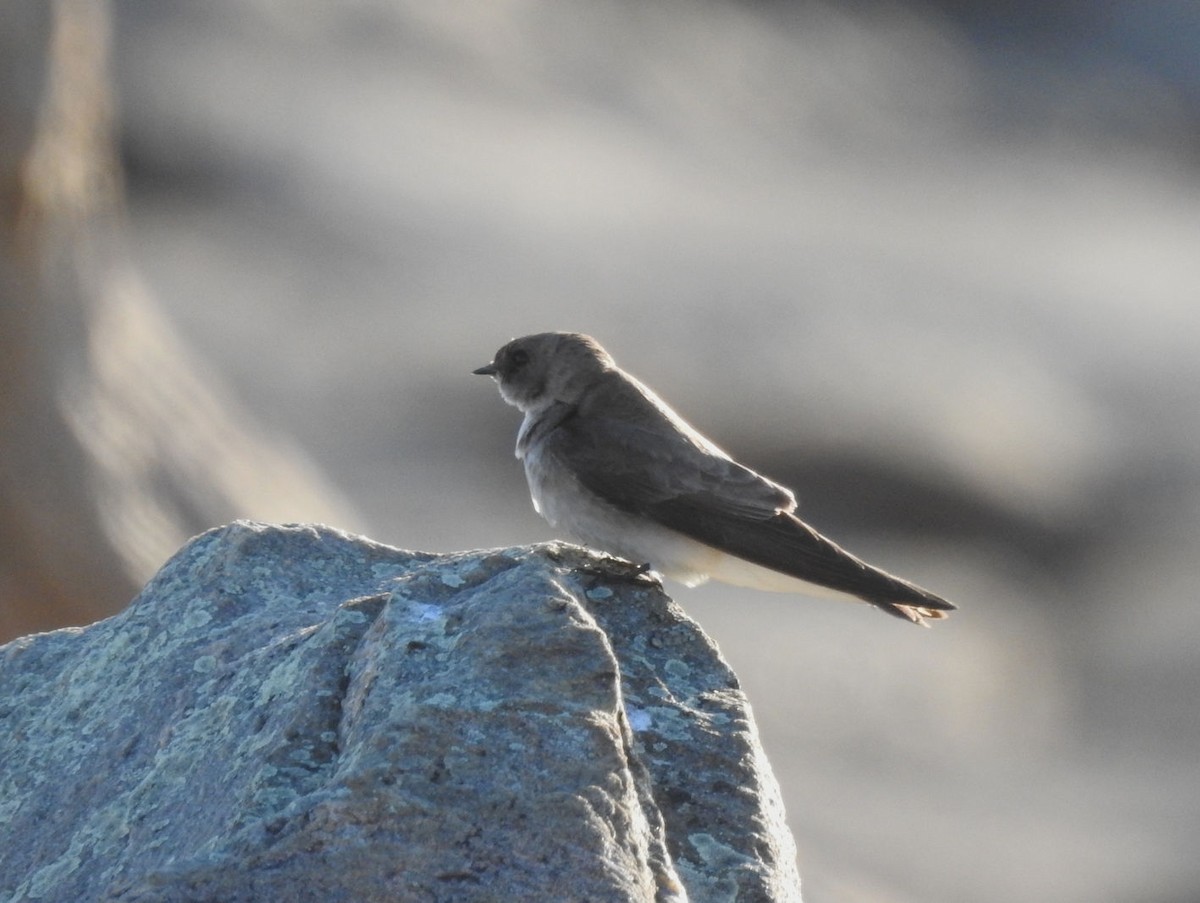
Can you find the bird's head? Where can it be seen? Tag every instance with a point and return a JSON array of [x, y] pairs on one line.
[[536, 371]]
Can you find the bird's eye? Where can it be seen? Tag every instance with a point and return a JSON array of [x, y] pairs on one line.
[[519, 358]]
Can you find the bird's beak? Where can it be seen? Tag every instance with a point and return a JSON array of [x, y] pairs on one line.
[[486, 370]]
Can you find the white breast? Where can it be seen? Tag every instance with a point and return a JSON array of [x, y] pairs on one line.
[[568, 506]]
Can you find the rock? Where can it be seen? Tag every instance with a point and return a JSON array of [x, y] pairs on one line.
[[293, 713]]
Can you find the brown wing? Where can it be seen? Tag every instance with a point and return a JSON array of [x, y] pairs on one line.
[[649, 461], [643, 455]]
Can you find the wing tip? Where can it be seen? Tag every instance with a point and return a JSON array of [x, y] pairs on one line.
[[920, 615]]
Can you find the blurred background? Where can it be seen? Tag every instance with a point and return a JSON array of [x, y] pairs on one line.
[[936, 266]]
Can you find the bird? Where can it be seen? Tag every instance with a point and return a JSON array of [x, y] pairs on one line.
[[609, 462]]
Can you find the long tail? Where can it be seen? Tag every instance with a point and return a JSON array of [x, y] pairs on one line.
[[787, 545]]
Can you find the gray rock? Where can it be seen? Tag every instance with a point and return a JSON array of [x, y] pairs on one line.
[[292, 713]]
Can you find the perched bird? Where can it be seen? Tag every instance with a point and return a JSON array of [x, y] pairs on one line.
[[610, 463]]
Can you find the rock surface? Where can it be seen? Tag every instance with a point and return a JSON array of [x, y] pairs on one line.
[[294, 713]]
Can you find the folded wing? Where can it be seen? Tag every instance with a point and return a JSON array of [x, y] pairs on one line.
[[658, 466]]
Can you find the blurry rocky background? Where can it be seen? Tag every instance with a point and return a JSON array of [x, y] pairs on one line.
[[934, 266], [116, 444]]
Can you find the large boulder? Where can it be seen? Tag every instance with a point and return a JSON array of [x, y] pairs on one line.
[[293, 713]]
